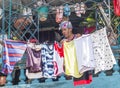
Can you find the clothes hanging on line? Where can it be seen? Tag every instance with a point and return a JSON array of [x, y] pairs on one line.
[[84, 53], [86, 78], [52, 66], [70, 61], [2, 37], [103, 54], [48, 67], [12, 53], [51, 56], [33, 61], [116, 5], [71, 64], [59, 14], [58, 57]]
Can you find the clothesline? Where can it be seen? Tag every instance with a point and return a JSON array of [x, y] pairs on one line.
[[78, 57]]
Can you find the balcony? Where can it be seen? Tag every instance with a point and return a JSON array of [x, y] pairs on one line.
[[105, 79]]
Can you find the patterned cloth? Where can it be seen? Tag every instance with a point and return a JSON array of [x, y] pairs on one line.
[[13, 52], [59, 14], [58, 58], [47, 60], [104, 57]]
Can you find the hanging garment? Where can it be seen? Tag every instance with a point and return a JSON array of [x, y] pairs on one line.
[[84, 53], [59, 14], [33, 61], [48, 67], [104, 57], [2, 36], [58, 58], [13, 52], [43, 12], [116, 4], [86, 78], [67, 10], [70, 60]]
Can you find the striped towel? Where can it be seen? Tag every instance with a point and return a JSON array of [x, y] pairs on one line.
[[12, 53]]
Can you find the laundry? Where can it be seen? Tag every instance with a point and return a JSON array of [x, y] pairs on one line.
[[70, 60], [84, 53], [33, 62], [116, 4], [103, 54], [58, 58], [47, 61], [12, 53], [59, 14]]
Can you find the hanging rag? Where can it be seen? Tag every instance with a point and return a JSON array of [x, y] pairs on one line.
[[58, 57], [116, 4], [59, 14], [12, 53], [67, 10], [103, 54]]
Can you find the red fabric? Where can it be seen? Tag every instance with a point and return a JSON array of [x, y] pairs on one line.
[[89, 30], [116, 4], [82, 82], [85, 79], [33, 40], [59, 49]]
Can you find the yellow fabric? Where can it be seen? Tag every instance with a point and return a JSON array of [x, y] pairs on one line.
[[70, 61]]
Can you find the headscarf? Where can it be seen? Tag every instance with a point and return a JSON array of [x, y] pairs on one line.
[[65, 24]]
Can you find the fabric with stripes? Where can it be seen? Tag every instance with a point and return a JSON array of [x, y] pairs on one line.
[[12, 53]]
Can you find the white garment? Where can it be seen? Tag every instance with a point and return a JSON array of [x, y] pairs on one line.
[[33, 75], [58, 58], [104, 57], [84, 53]]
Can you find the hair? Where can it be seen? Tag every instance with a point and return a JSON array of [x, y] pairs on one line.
[[77, 29]]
